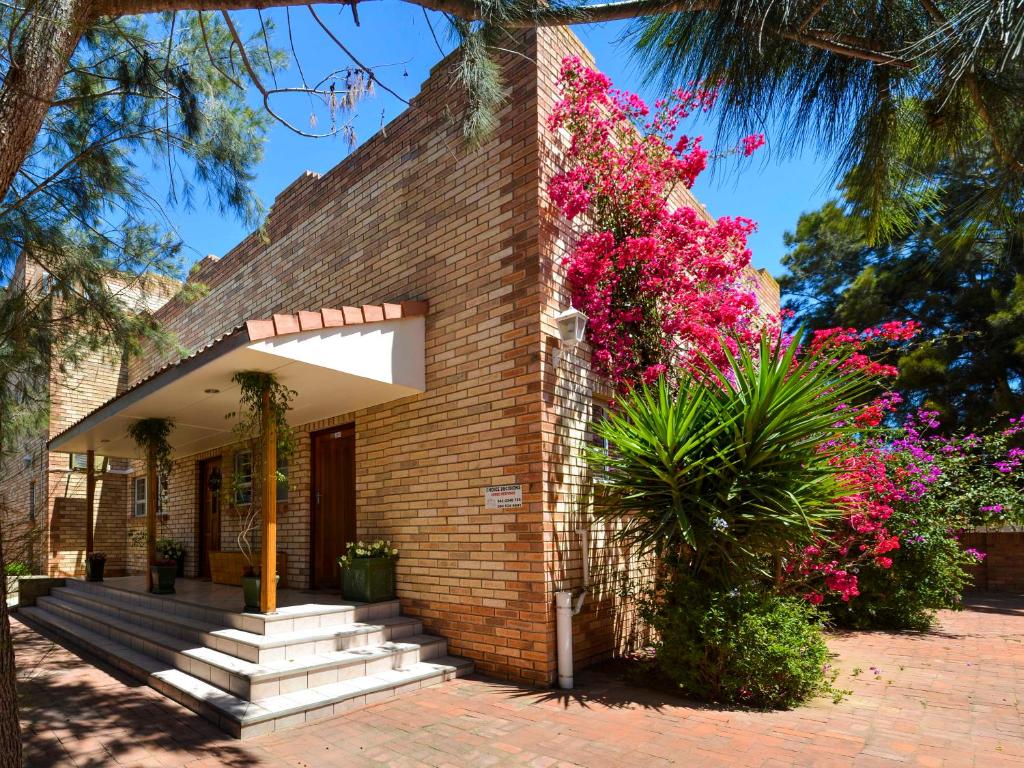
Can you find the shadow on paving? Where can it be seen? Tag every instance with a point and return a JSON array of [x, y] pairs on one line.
[[606, 686], [995, 602], [74, 706]]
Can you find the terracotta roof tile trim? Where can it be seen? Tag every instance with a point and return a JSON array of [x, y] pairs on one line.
[[285, 324]]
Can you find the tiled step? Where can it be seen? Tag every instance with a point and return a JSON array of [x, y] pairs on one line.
[[255, 648], [287, 619], [252, 681], [235, 715]]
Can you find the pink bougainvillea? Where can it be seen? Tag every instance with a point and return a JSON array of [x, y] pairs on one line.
[[662, 285]]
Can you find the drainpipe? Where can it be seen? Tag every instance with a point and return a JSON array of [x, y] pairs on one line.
[[564, 611]]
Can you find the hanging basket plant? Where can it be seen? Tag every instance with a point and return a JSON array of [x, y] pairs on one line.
[[151, 436], [257, 387]]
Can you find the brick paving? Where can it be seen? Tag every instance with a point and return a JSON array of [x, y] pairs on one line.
[[946, 698]]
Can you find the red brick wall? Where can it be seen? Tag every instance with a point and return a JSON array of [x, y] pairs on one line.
[[1002, 570]]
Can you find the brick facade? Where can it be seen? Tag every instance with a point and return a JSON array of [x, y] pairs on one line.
[[413, 214], [1002, 570]]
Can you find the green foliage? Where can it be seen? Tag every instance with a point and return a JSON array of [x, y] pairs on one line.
[[151, 435], [977, 485], [889, 88], [735, 465], [744, 646], [967, 293], [169, 549], [928, 573], [356, 550], [17, 569]]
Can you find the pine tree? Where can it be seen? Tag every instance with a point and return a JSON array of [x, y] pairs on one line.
[[961, 277]]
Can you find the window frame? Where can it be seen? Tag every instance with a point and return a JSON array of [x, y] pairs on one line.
[[136, 501], [243, 490]]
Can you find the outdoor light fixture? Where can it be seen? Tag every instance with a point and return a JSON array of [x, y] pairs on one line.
[[571, 325], [27, 460], [211, 391]]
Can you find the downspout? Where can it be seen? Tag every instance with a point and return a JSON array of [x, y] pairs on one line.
[[565, 609]]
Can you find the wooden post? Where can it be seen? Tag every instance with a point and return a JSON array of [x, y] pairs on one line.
[[268, 532], [152, 494], [90, 499]]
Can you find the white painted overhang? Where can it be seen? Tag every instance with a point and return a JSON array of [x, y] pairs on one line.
[[337, 361]]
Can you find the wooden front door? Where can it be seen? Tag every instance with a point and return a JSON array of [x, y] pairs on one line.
[[210, 480], [333, 501]]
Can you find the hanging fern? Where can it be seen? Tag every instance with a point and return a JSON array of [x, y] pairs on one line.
[[151, 435]]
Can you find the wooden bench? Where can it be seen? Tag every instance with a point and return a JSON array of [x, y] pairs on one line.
[[228, 567]]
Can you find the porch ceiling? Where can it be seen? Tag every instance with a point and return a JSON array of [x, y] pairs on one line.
[[336, 360]]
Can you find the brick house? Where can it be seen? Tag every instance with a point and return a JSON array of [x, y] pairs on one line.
[[409, 295]]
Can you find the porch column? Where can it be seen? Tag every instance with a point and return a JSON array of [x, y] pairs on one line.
[[268, 532], [90, 499], [152, 494]]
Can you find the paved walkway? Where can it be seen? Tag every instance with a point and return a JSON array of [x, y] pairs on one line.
[[948, 698]]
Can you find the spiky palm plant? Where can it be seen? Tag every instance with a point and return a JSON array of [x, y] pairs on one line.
[[733, 467]]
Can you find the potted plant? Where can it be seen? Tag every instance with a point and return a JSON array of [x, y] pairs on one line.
[[164, 571], [368, 571], [169, 549], [94, 564]]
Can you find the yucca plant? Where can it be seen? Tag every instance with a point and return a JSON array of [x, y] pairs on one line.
[[726, 471]]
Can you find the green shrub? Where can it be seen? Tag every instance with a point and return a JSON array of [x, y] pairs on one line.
[[745, 647], [928, 573], [17, 569]]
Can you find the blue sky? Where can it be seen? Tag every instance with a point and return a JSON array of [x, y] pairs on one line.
[[396, 40]]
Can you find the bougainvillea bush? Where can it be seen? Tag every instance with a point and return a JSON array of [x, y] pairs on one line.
[[662, 285], [942, 485]]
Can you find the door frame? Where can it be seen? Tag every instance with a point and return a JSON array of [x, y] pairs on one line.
[[201, 466], [349, 425]]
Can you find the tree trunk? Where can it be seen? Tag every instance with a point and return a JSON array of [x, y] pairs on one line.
[[10, 729], [44, 42]]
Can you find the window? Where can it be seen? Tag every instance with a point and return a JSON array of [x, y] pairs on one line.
[[243, 479], [81, 461], [139, 497], [32, 500]]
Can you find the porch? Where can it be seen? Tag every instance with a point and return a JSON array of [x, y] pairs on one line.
[[248, 673]]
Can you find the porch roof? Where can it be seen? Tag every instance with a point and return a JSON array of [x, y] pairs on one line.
[[337, 360]]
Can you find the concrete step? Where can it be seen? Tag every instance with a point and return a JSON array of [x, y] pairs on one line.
[[255, 648], [235, 715], [288, 619], [251, 681]]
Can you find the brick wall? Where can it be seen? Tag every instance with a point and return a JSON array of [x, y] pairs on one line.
[[1002, 570], [413, 214]]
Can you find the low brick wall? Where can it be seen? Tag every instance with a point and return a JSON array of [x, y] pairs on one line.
[[1002, 570]]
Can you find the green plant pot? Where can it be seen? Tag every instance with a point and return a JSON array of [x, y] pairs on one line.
[[369, 579], [94, 570], [251, 593], [163, 579], [181, 565]]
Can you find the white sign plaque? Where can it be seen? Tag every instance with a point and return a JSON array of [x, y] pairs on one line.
[[503, 496]]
